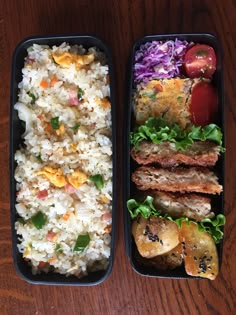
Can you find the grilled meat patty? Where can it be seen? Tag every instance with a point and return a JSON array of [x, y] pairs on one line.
[[201, 153], [193, 179], [192, 206]]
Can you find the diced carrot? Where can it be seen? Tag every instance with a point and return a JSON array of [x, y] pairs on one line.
[[105, 103], [158, 88], [40, 117], [107, 229], [44, 84], [54, 81], [51, 260], [65, 216], [42, 264], [48, 128]]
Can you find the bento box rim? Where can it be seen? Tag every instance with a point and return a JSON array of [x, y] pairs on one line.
[[107, 50], [127, 110]]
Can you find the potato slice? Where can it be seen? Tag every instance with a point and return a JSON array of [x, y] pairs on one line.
[[155, 236], [200, 253], [170, 260]]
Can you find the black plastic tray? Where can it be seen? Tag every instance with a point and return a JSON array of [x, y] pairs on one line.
[[20, 53], [129, 165]]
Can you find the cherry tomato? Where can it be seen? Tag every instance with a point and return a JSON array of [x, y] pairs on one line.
[[204, 104], [200, 61]]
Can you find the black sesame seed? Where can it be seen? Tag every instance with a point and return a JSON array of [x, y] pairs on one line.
[[161, 242], [195, 258]]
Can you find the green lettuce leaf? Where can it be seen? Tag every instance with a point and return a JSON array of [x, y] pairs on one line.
[[157, 130], [146, 209]]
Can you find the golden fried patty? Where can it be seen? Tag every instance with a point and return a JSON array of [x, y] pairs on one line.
[[166, 97]]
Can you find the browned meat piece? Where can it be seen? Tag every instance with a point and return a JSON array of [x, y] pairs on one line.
[[170, 260], [193, 179], [192, 206], [199, 154]]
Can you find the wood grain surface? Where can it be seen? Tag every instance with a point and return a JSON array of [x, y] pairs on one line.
[[119, 23]]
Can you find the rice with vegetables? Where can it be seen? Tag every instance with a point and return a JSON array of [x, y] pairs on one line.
[[64, 168]]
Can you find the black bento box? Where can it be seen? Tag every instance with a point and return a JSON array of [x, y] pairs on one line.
[[130, 165], [16, 130]]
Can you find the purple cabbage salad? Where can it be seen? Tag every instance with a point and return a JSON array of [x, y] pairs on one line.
[[159, 60]]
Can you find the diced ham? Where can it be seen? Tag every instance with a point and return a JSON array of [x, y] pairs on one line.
[[51, 236], [70, 189], [42, 264], [73, 97], [107, 217], [42, 194]]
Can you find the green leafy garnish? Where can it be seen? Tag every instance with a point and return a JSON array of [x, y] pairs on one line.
[[150, 95], [97, 180], [80, 94], [75, 127], [33, 98], [38, 157], [147, 209], [81, 242], [157, 130], [39, 220], [55, 123], [58, 248]]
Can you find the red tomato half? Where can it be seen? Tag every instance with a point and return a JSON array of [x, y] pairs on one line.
[[200, 61], [204, 104]]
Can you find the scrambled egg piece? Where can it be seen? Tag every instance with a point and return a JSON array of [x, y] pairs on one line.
[[103, 102], [27, 251], [61, 130], [55, 176], [77, 178], [73, 147], [104, 199], [66, 59]]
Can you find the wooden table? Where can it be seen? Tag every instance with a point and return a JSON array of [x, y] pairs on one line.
[[120, 23]]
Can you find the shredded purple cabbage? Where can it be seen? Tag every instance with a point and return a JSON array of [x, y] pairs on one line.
[[159, 60]]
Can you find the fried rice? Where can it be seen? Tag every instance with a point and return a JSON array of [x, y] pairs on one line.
[[64, 166]]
